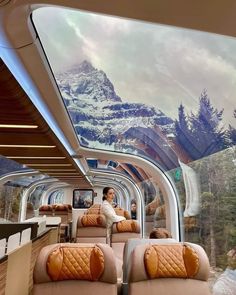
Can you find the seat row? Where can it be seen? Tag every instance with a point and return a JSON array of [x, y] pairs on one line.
[[91, 228], [160, 267]]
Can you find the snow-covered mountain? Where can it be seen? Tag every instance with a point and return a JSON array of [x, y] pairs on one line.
[[100, 117]]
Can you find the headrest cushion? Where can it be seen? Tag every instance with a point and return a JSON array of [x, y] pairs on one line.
[[126, 226], [75, 263], [121, 212], [95, 209], [171, 261], [92, 220], [45, 208]]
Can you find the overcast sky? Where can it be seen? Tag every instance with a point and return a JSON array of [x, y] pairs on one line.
[[153, 64]]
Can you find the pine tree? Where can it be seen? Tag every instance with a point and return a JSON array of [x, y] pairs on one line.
[[232, 132], [183, 134], [208, 137], [232, 135]]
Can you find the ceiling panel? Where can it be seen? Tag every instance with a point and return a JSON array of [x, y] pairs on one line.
[[46, 153]]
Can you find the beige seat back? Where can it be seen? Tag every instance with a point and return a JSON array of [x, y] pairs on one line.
[[121, 212], [173, 269], [131, 244], [61, 210], [46, 210], [121, 232], [91, 228], [75, 269]]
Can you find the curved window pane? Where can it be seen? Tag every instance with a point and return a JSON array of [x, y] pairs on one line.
[[160, 92]]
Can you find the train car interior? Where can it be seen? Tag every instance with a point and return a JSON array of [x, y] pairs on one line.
[[134, 99]]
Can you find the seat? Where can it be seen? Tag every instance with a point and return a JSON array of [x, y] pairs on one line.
[[29, 211], [75, 269], [121, 212], [168, 269], [46, 210], [121, 232], [96, 209], [131, 244], [62, 211], [91, 228]]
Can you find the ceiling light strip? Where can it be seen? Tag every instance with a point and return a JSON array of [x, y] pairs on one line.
[[34, 158], [18, 126], [49, 164], [27, 146]]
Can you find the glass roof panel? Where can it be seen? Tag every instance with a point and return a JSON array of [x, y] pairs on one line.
[[157, 91], [8, 166], [134, 172]]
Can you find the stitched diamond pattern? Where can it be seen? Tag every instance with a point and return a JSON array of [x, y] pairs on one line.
[[167, 261], [75, 263], [93, 220], [171, 262], [127, 226]]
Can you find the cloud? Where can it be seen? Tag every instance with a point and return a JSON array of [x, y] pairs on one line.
[[159, 65]]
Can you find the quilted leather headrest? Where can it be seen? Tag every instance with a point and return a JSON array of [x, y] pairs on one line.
[[61, 207], [95, 209], [85, 263], [126, 226], [45, 208], [170, 260], [122, 212], [97, 220], [91, 262]]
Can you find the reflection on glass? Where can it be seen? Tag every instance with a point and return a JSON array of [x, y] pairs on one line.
[[173, 99], [214, 227], [8, 166], [170, 101]]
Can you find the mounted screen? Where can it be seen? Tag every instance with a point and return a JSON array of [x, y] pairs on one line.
[[82, 198]]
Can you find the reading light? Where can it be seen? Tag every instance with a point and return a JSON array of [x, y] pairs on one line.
[[58, 170], [20, 157], [18, 126], [27, 146], [64, 173], [45, 165]]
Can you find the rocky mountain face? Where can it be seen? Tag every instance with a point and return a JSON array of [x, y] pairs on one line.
[[103, 120]]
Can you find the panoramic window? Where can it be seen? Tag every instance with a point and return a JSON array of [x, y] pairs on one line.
[[160, 92]]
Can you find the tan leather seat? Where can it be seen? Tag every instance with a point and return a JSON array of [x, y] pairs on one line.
[[168, 269], [96, 209], [121, 232], [91, 228], [62, 211], [75, 269], [121, 212], [131, 244], [46, 210]]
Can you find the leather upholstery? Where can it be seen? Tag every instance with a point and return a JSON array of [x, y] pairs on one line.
[[43, 270], [139, 271], [91, 228], [94, 209], [100, 267], [171, 261], [126, 226], [61, 207], [91, 220], [45, 208], [121, 212], [191, 279], [68, 263]]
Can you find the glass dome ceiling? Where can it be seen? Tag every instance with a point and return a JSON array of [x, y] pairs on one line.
[[157, 91]]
